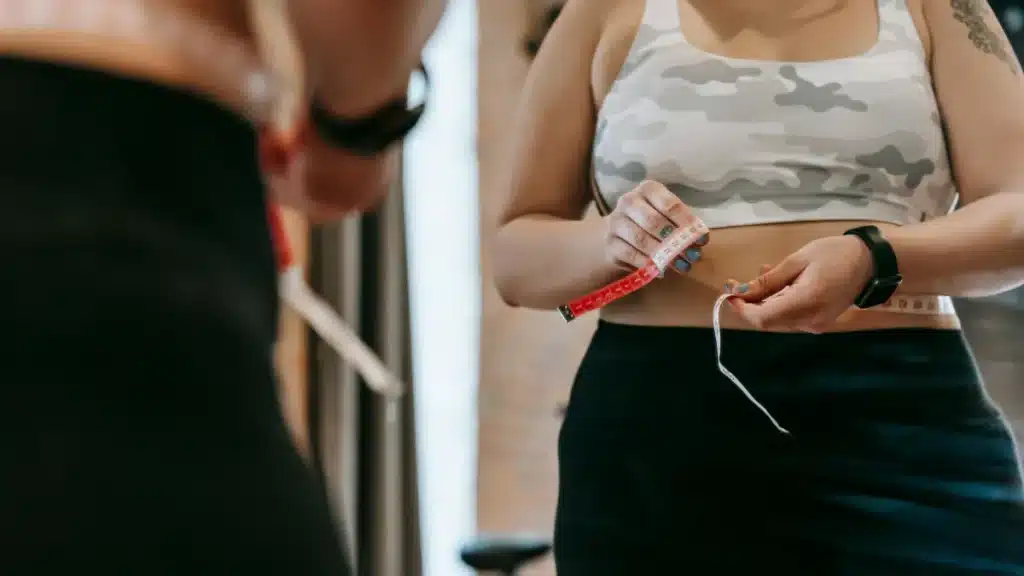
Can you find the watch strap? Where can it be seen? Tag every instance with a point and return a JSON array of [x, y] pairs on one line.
[[369, 135], [884, 257], [886, 275]]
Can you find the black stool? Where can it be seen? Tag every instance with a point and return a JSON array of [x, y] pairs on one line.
[[504, 554]]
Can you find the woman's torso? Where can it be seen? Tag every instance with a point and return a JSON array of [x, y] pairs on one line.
[[212, 48], [781, 43], [166, 144]]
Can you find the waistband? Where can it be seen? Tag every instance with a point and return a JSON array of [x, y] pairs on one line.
[[91, 154], [195, 55], [659, 338]]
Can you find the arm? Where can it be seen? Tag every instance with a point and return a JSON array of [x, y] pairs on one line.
[[360, 53], [979, 249], [354, 56], [544, 253]]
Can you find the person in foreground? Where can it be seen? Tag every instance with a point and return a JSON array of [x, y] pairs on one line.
[[825, 143], [139, 414]]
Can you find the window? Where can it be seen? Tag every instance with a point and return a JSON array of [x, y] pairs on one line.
[[442, 225]]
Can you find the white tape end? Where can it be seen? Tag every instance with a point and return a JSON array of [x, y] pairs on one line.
[[337, 333], [717, 328]]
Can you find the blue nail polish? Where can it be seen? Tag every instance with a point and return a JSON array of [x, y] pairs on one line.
[[742, 288], [665, 232], [682, 265], [728, 288], [692, 254], [703, 239]]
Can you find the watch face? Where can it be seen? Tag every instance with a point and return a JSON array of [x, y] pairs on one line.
[[888, 282], [878, 291]]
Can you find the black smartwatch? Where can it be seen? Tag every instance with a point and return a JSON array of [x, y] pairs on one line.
[[370, 135], [886, 278]]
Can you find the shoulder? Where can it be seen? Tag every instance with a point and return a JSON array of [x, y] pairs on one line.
[[977, 17], [593, 14], [950, 21], [621, 22], [916, 8]]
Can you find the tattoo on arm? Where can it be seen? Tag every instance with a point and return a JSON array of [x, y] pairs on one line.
[[972, 13]]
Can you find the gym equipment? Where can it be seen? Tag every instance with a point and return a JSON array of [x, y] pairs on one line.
[[505, 555]]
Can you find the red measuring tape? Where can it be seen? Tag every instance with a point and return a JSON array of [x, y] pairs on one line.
[[668, 251], [282, 247]]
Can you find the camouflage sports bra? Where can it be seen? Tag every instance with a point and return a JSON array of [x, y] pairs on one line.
[[751, 142]]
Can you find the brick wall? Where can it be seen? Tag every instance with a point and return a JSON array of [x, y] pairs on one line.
[[527, 358]]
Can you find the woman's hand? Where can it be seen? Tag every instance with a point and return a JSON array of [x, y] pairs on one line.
[[304, 172], [642, 219], [809, 289]]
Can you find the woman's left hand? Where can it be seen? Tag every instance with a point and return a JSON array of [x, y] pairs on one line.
[[809, 289], [303, 172]]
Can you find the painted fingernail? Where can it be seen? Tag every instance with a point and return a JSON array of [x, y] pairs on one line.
[[665, 232], [743, 288], [728, 287], [692, 254], [703, 240], [682, 265]]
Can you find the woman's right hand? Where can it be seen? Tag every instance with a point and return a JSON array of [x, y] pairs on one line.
[[641, 220]]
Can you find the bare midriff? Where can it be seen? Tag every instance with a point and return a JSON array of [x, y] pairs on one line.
[[738, 253], [142, 55]]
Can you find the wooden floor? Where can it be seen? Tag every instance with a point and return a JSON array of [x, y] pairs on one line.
[[995, 330]]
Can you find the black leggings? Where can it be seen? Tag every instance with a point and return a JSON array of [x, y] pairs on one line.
[[140, 431], [898, 464]]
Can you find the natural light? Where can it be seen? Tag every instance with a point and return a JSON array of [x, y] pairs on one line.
[[442, 224]]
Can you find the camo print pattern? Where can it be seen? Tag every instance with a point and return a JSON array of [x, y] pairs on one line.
[[750, 142]]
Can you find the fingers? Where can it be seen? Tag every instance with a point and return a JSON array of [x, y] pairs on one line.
[[687, 259], [656, 226], [671, 207], [794, 308], [665, 202], [624, 255], [797, 306], [652, 213], [690, 256], [630, 245], [788, 310], [624, 229], [770, 281]]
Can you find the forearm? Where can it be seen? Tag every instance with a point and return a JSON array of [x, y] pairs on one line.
[[542, 262], [975, 251], [360, 53]]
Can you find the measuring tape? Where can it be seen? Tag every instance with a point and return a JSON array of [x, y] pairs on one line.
[[671, 248], [687, 236], [225, 64], [925, 305], [326, 322]]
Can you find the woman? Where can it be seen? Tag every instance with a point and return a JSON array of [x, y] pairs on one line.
[[141, 430], [783, 125]]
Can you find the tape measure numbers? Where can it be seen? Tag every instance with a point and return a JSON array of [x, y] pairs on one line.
[[667, 252]]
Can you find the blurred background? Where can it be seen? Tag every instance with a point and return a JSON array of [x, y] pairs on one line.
[[472, 450]]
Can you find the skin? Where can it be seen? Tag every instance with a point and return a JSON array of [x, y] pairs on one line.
[[354, 55], [547, 254]]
